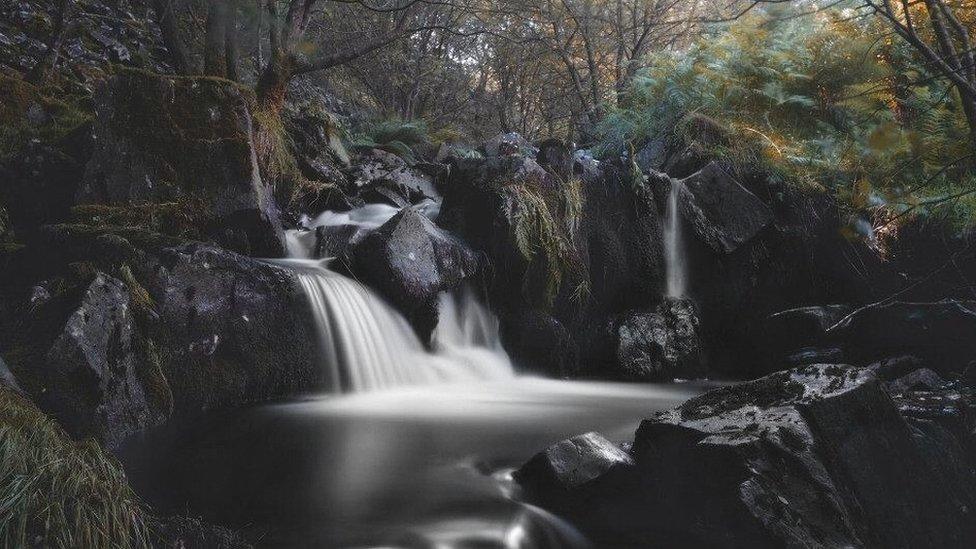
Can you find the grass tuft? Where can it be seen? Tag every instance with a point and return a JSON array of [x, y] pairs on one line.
[[58, 493]]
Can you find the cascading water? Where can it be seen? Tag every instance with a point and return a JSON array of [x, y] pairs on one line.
[[367, 345], [674, 259]]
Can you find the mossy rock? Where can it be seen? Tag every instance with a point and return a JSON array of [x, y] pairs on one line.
[[28, 113], [165, 139]]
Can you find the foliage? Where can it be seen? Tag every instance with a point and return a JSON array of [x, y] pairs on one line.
[[58, 493], [816, 101], [545, 232], [402, 138]]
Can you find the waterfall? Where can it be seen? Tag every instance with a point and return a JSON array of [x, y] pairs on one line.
[[674, 259], [367, 345]]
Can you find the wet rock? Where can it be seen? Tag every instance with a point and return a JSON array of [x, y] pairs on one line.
[[722, 212], [93, 370], [338, 241], [801, 458], [572, 463], [378, 168], [410, 260], [941, 333], [540, 342], [585, 478], [664, 344], [231, 330], [165, 139]]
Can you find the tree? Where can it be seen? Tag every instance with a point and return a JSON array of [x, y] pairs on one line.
[[939, 30]]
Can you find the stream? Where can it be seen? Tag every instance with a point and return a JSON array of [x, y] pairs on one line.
[[425, 466]]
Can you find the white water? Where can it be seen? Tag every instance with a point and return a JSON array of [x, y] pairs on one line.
[[301, 243], [420, 463], [674, 258], [367, 345]]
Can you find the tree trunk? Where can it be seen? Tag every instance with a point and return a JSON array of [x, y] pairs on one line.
[[232, 48], [273, 83], [969, 108], [170, 27], [215, 41]]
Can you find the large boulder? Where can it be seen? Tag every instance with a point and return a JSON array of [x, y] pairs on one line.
[[801, 458], [410, 261], [231, 330], [379, 171], [201, 328], [96, 378], [188, 140], [721, 211], [659, 345]]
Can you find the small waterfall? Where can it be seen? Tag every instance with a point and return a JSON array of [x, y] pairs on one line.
[[367, 345], [674, 259]]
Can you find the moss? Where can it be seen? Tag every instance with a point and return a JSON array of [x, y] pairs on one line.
[[58, 493], [181, 126], [273, 146], [187, 218], [28, 112]]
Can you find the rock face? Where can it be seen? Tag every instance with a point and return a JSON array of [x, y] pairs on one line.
[[942, 332], [96, 376], [565, 253], [231, 330], [722, 212], [167, 331], [800, 459], [173, 139], [409, 260], [659, 345]]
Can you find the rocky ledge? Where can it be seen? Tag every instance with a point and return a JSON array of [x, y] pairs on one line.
[[818, 456]]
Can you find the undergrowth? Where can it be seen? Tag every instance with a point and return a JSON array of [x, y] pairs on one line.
[[814, 102], [545, 232], [58, 493]]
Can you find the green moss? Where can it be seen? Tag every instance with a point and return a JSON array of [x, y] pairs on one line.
[[28, 112], [58, 493], [273, 146], [187, 218]]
